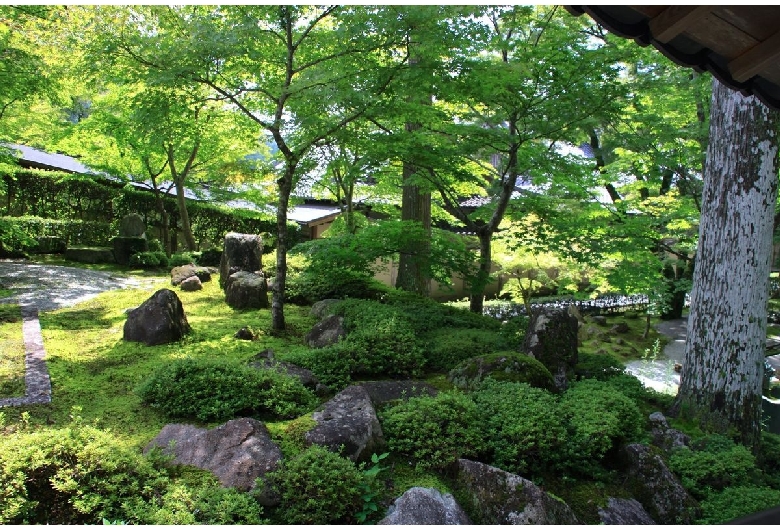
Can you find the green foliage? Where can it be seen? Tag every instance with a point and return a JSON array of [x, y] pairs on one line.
[[149, 260], [435, 431], [182, 504], [370, 490], [73, 475], [769, 458], [21, 233], [316, 487], [523, 428], [713, 463], [597, 366], [737, 501], [155, 245], [445, 348], [210, 257], [329, 365], [81, 209], [313, 285], [216, 390], [181, 258], [428, 315], [598, 419]]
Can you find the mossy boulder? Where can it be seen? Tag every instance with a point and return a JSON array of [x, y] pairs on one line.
[[501, 366]]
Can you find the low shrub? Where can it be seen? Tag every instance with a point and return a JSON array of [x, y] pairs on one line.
[[435, 431], [316, 487], [181, 258], [597, 366], [445, 348], [74, 475], [312, 286], [149, 260], [427, 315], [187, 505], [329, 365], [712, 464], [769, 458], [523, 428], [386, 348], [734, 502], [210, 257], [598, 418], [216, 391]]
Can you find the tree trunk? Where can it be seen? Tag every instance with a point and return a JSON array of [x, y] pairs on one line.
[[184, 216], [724, 353], [280, 280], [413, 266], [477, 295]]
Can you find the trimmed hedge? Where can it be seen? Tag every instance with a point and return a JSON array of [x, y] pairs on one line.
[[86, 210]]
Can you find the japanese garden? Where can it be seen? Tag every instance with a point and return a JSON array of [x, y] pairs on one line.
[[360, 264]]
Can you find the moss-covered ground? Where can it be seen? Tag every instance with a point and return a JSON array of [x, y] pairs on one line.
[[11, 352]]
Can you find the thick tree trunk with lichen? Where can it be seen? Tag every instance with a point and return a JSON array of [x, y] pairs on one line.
[[724, 354]]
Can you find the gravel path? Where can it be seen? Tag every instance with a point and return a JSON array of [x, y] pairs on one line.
[[48, 287]]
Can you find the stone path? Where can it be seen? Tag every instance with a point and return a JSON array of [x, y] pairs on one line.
[[659, 373], [43, 288], [36, 373]]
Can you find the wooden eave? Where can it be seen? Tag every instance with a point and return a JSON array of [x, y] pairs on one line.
[[739, 45]]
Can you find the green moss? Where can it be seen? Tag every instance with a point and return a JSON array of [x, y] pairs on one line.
[[12, 353], [502, 366]]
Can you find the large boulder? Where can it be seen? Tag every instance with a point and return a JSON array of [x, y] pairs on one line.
[[664, 436], [501, 366], [191, 284], [382, 392], [246, 290], [327, 331], [552, 340], [132, 225], [265, 360], [348, 420], [242, 252], [497, 497], [419, 506], [179, 274], [125, 247], [652, 483], [159, 320], [624, 512], [323, 308], [237, 452]]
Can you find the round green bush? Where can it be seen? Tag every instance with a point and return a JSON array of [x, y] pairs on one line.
[[711, 464], [597, 366], [735, 502], [445, 348], [435, 431], [316, 487], [149, 260], [75, 475], [501, 366], [210, 257], [180, 258], [217, 390], [183, 504], [524, 430], [598, 419]]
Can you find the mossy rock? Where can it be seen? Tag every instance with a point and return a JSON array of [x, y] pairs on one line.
[[502, 366]]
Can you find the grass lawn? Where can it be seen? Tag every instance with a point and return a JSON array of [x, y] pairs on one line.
[[93, 368], [11, 352]]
